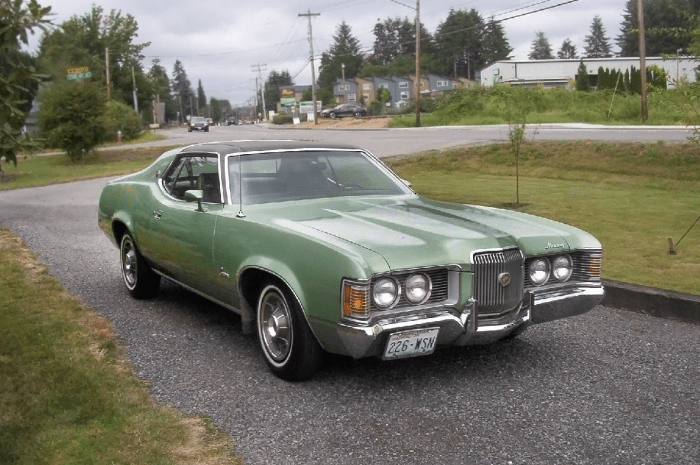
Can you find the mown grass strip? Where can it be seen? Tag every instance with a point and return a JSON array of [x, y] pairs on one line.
[[66, 393]]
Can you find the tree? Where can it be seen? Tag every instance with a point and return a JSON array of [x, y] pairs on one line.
[[182, 89], [540, 49], [583, 82], [70, 116], [160, 86], [272, 87], [201, 99], [394, 37], [567, 50], [345, 50], [597, 45], [83, 42], [495, 44], [18, 80], [668, 24], [459, 46]]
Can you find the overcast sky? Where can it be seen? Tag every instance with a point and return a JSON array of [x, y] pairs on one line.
[[220, 41]]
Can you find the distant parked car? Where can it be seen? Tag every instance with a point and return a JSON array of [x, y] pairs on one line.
[[197, 123], [323, 248], [210, 122], [346, 109]]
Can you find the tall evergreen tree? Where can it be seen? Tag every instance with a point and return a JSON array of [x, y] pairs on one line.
[[160, 85], [540, 48], [182, 90], [458, 42], [597, 44], [495, 43], [668, 25], [345, 50], [567, 50], [201, 99]]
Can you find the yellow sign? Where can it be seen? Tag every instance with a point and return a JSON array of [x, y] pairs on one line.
[[286, 93], [82, 69]]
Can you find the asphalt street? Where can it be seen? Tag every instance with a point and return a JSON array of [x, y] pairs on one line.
[[607, 387]]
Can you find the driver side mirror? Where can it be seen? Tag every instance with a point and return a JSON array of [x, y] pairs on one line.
[[195, 196]]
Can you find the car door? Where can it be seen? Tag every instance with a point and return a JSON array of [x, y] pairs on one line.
[[181, 233]]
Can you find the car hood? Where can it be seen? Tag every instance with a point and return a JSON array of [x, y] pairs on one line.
[[414, 232]]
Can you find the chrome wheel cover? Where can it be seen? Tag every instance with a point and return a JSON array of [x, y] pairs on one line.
[[275, 326], [129, 264]]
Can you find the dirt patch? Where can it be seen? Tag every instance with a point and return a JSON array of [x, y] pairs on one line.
[[345, 123]]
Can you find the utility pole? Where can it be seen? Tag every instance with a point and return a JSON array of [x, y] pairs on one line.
[[255, 112], [107, 70], [642, 60], [418, 63], [136, 102], [308, 14], [262, 84]]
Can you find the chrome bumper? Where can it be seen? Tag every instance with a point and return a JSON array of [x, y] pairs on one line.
[[461, 329]]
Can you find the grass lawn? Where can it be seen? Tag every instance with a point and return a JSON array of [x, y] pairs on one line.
[[66, 393]]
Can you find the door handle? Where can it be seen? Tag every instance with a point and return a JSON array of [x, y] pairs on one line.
[[157, 214]]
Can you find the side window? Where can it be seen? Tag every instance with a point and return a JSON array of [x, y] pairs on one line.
[[195, 172]]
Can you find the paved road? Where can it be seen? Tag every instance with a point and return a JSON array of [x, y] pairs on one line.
[[390, 142], [608, 387]]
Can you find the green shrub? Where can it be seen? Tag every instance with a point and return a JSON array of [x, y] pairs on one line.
[[120, 117], [70, 116], [282, 119]]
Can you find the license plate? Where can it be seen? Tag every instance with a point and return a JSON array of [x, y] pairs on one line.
[[411, 343]]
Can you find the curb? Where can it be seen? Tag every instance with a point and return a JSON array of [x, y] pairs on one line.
[[650, 301]]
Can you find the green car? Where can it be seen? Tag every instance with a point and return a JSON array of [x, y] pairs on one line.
[[323, 248]]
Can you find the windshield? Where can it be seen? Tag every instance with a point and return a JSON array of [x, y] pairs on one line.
[[281, 176], [197, 119]]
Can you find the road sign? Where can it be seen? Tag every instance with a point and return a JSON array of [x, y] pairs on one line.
[[76, 76]]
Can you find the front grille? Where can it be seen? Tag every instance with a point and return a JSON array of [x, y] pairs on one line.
[[492, 297], [439, 293], [587, 266]]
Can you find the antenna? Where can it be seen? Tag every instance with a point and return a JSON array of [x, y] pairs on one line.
[[240, 186]]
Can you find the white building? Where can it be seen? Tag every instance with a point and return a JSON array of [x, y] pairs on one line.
[[560, 73]]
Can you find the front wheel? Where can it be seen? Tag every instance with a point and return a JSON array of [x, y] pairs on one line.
[[291, 350], [332, 115], [139, 278], [358, 114]]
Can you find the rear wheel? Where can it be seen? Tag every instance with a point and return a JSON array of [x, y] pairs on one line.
[[291, 350], [139, 278], [358, 114], [332, 115]]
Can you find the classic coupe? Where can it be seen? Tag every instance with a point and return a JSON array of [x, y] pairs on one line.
[[321, 247]]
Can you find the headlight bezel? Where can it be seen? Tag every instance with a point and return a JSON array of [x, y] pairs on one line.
[[541, 262], [569, 268], [395, 294], [428, 288]]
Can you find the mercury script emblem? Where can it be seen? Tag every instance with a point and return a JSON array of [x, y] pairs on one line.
[[554, 246]]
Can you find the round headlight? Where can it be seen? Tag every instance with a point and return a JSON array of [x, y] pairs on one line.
[[417, 288], [385, 293], [562, 268], [539, 271]]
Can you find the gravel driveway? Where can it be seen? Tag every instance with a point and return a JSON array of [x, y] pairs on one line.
[[608, 387]]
